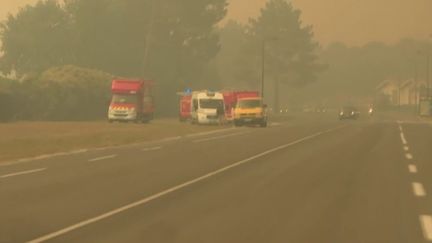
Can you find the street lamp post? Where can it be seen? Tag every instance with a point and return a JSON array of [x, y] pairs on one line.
[[262, 67], [428, 56], [428, 73]]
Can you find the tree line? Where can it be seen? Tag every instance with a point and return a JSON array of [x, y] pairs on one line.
[[176, 43]]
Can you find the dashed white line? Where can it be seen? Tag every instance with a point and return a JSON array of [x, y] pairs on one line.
[[41, 157], [103, 158], [170, 139], [409, 156], [151, 149], [412, 169], [404, 141], [406, 148], [210, 132], [220, 137], [426, 224], [174, 189], [418, 189], [22, 173]]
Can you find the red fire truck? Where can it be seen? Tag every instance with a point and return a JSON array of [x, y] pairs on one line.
[[185, 108], [132, 100]]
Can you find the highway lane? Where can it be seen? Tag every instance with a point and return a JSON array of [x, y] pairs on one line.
[[83, 188], [418, 146], [350, 184]]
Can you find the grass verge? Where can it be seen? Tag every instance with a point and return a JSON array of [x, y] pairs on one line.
[[28, 139]]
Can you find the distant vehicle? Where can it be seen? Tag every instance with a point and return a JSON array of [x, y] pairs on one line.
[[349, 112], [132, 100], [371, 111], [207, 107], [185, 109], [307, 109], [320, 109], [231, 98], [250, 111]]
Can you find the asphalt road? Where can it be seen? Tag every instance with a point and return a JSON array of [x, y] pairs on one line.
[[303, 180]]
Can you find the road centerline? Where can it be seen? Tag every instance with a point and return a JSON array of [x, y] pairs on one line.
[[220, 137], [151, 149], [22, 173], [103, 158]]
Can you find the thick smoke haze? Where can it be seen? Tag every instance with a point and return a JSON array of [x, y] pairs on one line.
[[352, 22], [355, 22]]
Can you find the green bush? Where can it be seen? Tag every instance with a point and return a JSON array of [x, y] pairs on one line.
[[74, 93], [59, 93]]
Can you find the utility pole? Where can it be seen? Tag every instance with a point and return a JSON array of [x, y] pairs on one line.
[[263, 68], [417, 90], [148, 39], [428, 73]]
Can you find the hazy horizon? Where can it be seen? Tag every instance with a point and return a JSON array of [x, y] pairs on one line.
[[363, 21]]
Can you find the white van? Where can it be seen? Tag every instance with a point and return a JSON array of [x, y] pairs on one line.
[[207, 107]]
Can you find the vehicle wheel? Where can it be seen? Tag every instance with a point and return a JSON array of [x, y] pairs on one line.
[[237, 124], [110, 121], [263, 124], [145, 120]]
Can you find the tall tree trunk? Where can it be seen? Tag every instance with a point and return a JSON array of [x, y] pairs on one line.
[[148, 40]]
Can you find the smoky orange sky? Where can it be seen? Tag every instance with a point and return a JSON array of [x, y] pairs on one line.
[[354, 22]]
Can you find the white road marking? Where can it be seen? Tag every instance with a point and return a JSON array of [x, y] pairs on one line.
[[426, 224], [418, 189], [151, 149], [170, 139], [174, 189], [412, 169], [406, 148], [409, 156], [404, 141], [40, 157], [220, 137], [210, 132], [103, 158], [22, 173]]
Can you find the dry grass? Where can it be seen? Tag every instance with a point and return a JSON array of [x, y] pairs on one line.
[[27, 139]]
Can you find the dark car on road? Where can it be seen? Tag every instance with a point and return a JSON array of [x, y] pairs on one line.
[[349, 112]]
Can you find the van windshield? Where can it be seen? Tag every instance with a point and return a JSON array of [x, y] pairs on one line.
[[211, 103], [124, 99], [245, 104]]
